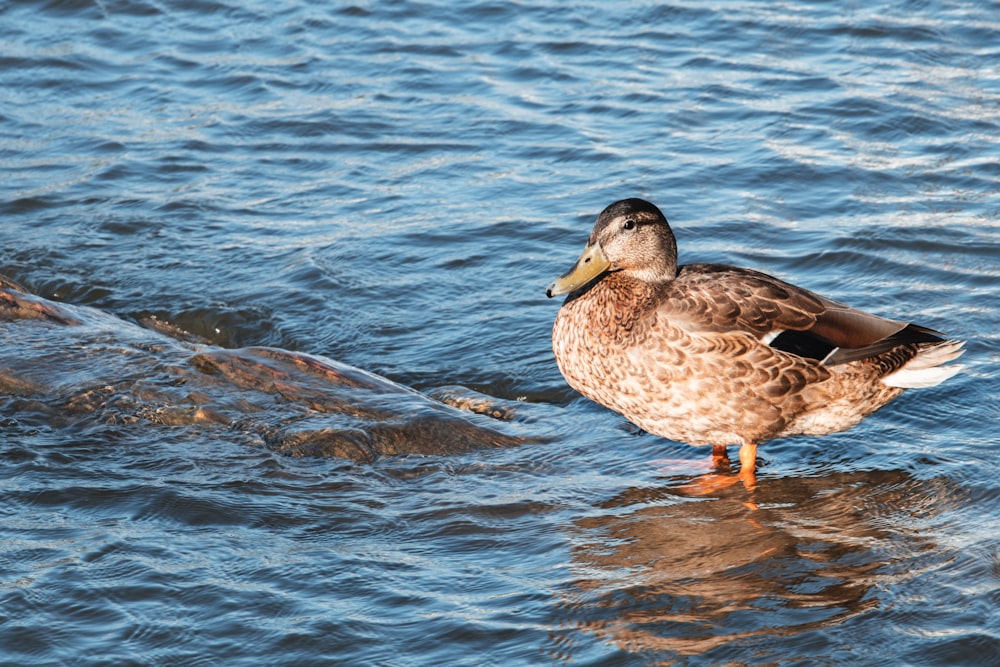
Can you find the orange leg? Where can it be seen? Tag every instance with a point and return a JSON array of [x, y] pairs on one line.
[[721, 477], [720, 457], [748, 465]]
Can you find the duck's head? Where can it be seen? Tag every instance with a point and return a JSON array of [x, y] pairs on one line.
[[631, 236]]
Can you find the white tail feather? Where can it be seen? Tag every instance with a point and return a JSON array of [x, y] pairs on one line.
[[926, 369]]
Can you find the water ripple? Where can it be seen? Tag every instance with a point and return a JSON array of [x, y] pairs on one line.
[[393, 184]]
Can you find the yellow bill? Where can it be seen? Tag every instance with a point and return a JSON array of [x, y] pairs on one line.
[[591, 264]]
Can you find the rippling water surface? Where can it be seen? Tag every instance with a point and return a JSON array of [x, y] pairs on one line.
[[392, 185]]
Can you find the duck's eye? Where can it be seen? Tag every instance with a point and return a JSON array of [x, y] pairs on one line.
[[628, 224]]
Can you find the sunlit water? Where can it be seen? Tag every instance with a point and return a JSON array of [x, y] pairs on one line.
[[393, 185]]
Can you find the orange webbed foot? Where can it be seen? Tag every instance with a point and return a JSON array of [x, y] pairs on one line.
[[722, 478]]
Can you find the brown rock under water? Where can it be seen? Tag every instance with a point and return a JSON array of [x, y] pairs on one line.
[[70, 361]]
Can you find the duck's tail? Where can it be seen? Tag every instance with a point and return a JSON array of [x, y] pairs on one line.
[[926, 369]]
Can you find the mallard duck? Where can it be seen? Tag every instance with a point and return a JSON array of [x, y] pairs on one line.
[[716, 355]]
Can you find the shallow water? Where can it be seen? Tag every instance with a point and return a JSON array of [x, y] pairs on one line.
[[393, 185]]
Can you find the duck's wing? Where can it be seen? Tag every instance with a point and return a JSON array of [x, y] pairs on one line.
[[717, 298]]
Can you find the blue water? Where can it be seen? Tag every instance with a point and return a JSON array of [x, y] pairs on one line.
[[393, 184]]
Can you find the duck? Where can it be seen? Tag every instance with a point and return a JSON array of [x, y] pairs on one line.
[[711, 354]]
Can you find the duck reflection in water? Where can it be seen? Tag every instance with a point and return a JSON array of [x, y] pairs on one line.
[[686, 577]]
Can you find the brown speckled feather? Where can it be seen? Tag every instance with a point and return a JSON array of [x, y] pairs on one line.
[[711, 354], [712, 297], [724, 298]]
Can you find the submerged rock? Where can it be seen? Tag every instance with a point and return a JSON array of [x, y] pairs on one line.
[[74, 361]]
